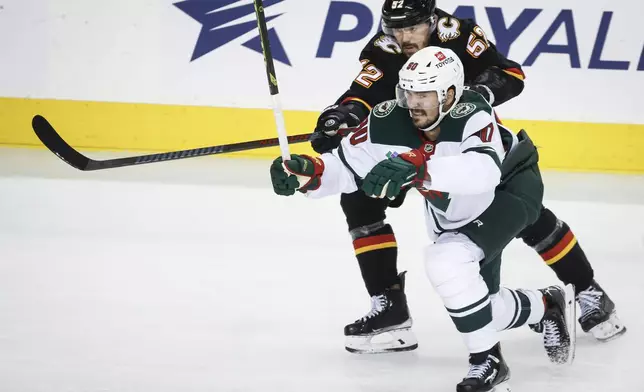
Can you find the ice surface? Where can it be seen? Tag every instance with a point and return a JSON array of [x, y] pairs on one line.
[[194, 276]]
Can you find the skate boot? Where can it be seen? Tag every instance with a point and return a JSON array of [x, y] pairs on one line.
[[386, 328], [488, 372], [558, 324], [598, 316]]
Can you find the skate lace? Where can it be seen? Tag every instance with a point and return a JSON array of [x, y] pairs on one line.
[[479, 371], [589, 301], [378, 304], [551, 333]]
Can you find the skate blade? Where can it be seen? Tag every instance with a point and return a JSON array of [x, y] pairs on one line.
[[571, 321], [395, 340], [609, 330]]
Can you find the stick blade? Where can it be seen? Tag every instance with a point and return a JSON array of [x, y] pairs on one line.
[[52, 140]]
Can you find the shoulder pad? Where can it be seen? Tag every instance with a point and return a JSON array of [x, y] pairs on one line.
[[471, 102], [449, 27], [381, 44], [384, 109], [387, 44]]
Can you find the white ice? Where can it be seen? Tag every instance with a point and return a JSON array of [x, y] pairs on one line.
[[193, 276]]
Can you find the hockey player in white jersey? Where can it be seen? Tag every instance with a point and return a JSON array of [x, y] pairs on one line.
[[482, 187]]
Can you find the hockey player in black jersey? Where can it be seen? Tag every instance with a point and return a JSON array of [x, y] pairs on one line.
[[407, 27]]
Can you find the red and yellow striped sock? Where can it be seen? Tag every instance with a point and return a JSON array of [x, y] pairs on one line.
[[368, 244], [377, 256], [560, 249]]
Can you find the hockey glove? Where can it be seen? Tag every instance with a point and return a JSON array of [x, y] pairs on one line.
[[301, 173], [388, 177], [325, 136], [398, 201], [484, 91]]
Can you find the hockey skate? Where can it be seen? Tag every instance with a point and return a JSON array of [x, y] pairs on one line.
[[598, 316], [558, 324], [488, 372], [386, 328]]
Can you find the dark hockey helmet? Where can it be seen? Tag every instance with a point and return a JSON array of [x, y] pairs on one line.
[[399, 14]]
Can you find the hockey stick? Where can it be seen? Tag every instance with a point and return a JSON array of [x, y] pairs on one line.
[[272, 79], [56, 144]]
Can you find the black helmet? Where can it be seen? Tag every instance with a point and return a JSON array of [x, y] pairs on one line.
[[397, 14]]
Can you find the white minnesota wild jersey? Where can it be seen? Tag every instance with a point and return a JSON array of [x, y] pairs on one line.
[[465, 167]]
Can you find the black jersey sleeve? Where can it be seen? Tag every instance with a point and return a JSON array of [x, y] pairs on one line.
[[380, 60], [483, 63]]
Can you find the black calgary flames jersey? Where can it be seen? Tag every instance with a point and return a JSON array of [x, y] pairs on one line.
[[382, 59]]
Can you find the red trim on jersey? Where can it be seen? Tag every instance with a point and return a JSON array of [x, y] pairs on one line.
[[516, 72]]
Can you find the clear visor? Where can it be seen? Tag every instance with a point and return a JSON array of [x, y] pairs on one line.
[[417, 100], [430, 21]]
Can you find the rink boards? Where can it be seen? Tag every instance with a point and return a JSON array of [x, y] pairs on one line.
[[169, 75], [118, 126]]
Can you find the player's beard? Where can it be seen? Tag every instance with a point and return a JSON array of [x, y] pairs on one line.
[[423, 118], [415, 44], [410, 49]]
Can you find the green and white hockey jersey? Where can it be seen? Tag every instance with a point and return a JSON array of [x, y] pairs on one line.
[[464, 167]]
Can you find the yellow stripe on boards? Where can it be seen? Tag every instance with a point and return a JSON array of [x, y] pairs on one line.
[[145, 127], [586, 146], [151, 127]]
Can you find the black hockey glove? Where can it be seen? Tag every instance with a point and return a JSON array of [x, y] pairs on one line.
[[497, 86], [398, 201], [484, 91], [325, 136]]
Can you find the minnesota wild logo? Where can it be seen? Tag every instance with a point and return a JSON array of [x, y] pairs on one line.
[[384, 109], [462, 110]]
